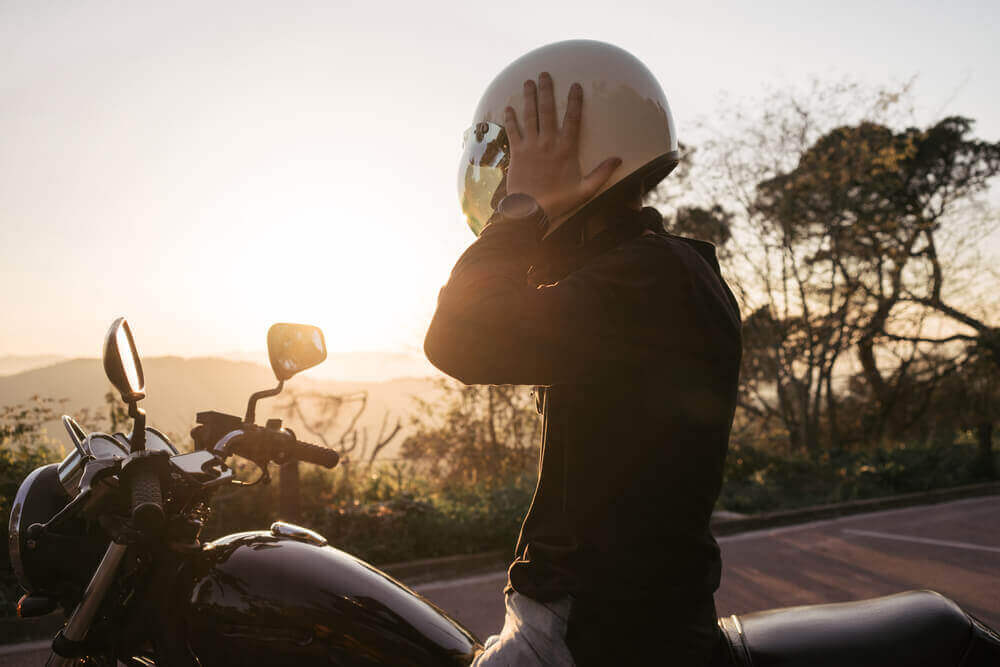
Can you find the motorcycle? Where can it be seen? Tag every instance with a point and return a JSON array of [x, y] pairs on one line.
[[111, 535]]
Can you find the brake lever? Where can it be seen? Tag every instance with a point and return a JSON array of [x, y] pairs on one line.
[[227, 442], [221, 448], [263, 478]]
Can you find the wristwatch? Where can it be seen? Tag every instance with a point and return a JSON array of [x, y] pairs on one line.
[[519, 206]]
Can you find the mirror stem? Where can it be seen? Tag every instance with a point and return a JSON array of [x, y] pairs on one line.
[[138, 438], [252, 405]]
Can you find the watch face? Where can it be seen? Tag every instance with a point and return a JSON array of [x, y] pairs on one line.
[[518, 206]]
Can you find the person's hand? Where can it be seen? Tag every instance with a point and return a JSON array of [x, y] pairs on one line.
[[544, 158]]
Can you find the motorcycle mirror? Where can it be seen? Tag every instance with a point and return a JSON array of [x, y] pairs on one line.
[[121, 362], [294, 347]]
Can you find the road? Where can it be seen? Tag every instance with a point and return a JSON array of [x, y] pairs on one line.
[[953, 548]]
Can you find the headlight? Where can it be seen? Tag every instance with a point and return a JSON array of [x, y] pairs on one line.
[[38, 499]]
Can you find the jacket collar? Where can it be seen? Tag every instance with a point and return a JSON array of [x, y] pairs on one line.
[[565, 250]]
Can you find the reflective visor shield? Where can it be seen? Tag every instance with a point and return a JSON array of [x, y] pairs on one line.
[[485, 156]]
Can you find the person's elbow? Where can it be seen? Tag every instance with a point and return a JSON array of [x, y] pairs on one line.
[[444, 348]]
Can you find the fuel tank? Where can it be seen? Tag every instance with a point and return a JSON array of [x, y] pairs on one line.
[[286, 597]]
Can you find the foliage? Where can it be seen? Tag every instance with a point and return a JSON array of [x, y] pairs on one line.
[[759, 481], [463, 483], [383, 523], [482, 434], [323, 416], [849, 241], [332, 420]]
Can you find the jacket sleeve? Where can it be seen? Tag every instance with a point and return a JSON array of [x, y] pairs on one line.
[[492, 327]]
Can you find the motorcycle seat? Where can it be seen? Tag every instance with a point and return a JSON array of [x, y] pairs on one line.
[[916, 628]]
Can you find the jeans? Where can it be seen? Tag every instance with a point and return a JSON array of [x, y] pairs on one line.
[[534, 633]]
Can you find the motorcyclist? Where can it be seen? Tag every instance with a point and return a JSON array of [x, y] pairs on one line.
[[633, 339]]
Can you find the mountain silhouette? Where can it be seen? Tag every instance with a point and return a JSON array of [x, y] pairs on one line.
[[178, 388]]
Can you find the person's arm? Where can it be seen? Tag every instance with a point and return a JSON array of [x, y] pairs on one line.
[[492, 327]]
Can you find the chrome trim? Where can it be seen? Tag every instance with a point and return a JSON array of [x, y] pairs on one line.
[[75, 431], [71, 471], [291, 531], [79, 623]]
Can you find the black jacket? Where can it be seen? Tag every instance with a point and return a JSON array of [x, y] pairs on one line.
[[636, 341]]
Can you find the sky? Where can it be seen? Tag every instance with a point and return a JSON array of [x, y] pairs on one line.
[[208, 168]]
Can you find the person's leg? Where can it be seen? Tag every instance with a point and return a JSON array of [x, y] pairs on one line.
[[533, 634]]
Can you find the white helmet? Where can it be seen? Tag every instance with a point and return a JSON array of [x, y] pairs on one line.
[[625, 114]]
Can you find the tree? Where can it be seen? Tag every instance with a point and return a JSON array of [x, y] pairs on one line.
[[479, 434], [970, 400], [872, 204], [711, 223], [833, 226], [797, 323], [322, 416]]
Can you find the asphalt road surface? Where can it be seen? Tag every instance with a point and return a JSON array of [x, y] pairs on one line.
[[953, 548]]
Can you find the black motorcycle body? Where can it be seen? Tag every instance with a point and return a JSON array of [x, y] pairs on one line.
[[264, 599]]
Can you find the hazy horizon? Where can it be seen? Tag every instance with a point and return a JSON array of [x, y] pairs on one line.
[[364, 366], [207, 170]]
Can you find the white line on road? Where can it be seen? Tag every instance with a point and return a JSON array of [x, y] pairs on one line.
[[753, 535], [922, 540]]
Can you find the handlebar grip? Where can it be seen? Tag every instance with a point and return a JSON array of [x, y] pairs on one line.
[[309, 453], [147, 499]]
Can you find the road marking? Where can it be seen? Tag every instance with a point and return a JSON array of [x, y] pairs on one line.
[[753, 535], [922, 540], [465, 581]]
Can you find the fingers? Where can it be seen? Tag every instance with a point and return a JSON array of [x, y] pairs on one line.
[[539, 116], [546, 105], [593, 181], [510, 126], [529, 120], [574, 107]]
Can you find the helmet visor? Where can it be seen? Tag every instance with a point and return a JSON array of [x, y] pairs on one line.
[[485, 156]]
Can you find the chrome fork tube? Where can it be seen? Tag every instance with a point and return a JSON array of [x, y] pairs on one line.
[[81, 618]]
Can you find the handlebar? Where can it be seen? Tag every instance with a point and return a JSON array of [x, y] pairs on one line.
[[279, 445], [147, 499], [141, 472], [309, 453]]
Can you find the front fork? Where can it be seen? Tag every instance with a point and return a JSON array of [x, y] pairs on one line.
[[69, 640]]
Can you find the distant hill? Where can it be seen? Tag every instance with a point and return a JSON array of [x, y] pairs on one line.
[[178, 388], [11, 364], [361, 366]]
